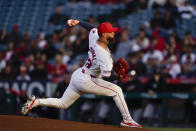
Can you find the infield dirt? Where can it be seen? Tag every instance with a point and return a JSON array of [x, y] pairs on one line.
[[23, 123]]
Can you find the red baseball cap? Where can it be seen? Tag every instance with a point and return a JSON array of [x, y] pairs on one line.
[[106, 28]]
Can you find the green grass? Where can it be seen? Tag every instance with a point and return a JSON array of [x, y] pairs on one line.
[[175, 129]]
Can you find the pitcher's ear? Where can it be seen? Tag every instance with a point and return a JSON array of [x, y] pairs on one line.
[[104, 34]]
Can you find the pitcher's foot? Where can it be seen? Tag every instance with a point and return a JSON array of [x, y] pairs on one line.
[[31, 102], [130, 124]]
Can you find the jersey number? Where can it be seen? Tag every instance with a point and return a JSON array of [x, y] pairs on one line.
[[88, 63]]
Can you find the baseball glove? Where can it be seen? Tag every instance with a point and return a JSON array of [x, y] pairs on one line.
[[121, 67]]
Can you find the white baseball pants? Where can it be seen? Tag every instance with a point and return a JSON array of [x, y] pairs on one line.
[[83, 83]]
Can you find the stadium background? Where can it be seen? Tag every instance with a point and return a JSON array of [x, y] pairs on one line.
[[38, 53]]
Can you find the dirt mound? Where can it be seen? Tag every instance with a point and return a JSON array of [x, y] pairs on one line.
[[21, 123]]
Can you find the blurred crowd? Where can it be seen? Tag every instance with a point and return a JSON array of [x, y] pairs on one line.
[[51, 56], [157, 55]]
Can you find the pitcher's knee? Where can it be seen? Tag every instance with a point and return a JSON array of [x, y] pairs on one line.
[[117, 89], [63, 104]]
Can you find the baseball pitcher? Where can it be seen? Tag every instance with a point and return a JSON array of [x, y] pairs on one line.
[[91, 78]]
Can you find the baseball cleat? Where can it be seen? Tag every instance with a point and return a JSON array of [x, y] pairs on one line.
[[130, 124], [31, 102]]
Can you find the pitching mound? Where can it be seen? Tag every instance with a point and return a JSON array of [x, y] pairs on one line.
[[21, 123]]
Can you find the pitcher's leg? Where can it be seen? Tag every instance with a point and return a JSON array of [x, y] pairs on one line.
[[109, 89], [100, 87], [122, 105], [68, 98]]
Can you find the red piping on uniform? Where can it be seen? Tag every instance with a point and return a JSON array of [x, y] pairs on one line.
[[112, 90], [31, 105]]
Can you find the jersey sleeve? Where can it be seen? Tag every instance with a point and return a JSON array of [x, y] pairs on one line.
[[86, 25], [93, 36], [105, 66]]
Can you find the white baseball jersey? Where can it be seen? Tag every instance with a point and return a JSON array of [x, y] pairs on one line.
[[99, 63]]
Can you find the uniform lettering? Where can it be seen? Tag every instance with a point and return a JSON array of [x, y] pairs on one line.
[[93, 53], [89, 61]]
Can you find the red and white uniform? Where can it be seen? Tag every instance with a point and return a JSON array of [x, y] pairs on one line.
[[88, 79], [99, 62]]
